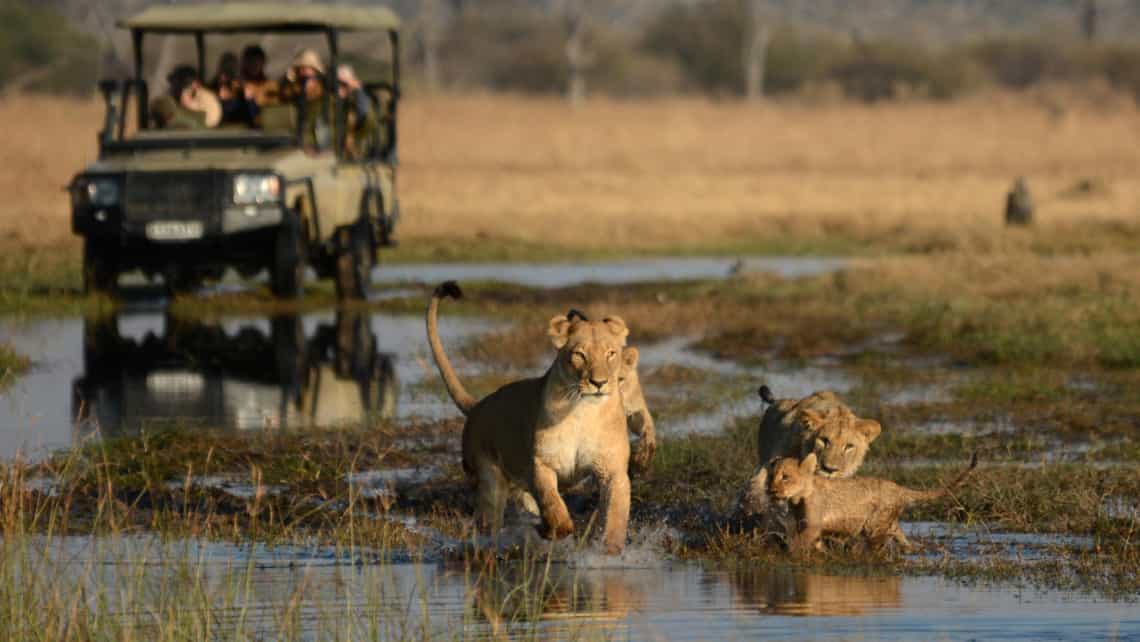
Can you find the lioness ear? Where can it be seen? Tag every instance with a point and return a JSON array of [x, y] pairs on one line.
[[807, 466], [811, 419], [869, 428], [559, 331], [629, 357], [617, 326]]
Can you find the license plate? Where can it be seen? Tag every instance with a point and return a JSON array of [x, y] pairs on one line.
[[175, 384], [174, 230]]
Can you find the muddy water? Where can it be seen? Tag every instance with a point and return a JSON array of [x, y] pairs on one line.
[[352, 596]]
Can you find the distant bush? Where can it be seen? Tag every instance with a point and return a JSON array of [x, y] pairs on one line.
[[706, 41], [884, 70], [510, 46], [39, 51]]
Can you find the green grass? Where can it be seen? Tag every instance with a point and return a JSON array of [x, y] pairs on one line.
[[12, 365]]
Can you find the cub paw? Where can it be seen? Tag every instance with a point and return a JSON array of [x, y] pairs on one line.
[[642, 456]]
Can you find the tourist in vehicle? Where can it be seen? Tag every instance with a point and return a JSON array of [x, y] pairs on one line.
[[238, 104], [360, 116], [257, 85], [187, 104], [305, 77], [304, 84]]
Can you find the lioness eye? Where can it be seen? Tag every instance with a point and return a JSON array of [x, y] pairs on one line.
[[849, 447], [611, 354], [578, 358]]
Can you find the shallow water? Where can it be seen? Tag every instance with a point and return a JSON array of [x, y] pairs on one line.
[[552, 275], [334, 592], [116, 376]]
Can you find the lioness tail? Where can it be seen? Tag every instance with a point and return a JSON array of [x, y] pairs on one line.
[[463, 400], [766, 395]]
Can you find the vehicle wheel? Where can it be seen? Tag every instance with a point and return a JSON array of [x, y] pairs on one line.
[[354, 264], [288, 336], [181, 282], [288, 271], [100, 274]]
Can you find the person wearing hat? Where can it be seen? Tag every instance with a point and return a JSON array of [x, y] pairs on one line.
[[305, 77], [361, 118], [187, 104], [304, 83]]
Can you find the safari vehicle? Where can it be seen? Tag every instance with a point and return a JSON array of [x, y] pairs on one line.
[[191, 373], [187, 204]]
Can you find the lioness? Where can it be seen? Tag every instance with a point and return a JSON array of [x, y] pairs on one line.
[[819, 423], [637, 416], [536, 433], [863, 505]]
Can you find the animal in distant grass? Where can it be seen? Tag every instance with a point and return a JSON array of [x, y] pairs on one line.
[[846, 507], [1019, 204], [819, 424], [536, 434], [637, 416]]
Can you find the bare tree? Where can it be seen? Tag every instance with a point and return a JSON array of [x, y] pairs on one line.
[[755, 51], [431, 26], [578, 57], [1090, 15]]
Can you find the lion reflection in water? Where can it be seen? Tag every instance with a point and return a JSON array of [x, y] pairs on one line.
[[586, 603], [786, 593]]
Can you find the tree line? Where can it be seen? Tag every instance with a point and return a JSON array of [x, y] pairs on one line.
[[638, 48]]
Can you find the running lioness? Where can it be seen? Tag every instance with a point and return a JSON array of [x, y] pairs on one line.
[[535, 434]]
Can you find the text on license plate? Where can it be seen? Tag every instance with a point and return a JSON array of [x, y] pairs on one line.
[[174, 230]]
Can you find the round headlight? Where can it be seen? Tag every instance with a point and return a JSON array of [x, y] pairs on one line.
[[101, 192]]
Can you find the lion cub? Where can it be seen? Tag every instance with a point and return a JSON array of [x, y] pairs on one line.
[[862, 505], [819, 423], [535, 434]]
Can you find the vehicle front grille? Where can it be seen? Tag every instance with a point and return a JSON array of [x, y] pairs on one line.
[[159, 196]]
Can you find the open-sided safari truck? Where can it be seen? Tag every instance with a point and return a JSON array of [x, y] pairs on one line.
[[299, 187]]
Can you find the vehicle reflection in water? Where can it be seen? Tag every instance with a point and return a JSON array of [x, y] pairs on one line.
[[198, 373], [784, 592]]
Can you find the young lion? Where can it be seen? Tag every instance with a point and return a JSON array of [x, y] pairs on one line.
[[863, 505], [558, 428], [819, 423]]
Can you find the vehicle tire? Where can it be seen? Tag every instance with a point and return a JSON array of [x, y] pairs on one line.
[[354, 264], [290, 354], [287, 273], [100, 273], [182, 282]]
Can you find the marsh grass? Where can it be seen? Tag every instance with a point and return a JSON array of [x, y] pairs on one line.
[[12, 365], [123, 541]]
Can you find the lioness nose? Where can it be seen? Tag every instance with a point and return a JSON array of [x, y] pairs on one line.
[[598, 383]]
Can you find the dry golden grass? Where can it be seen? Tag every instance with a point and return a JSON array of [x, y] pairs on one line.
[[684, 172]]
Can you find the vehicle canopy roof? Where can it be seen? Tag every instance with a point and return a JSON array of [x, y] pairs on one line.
[[262, 16]]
